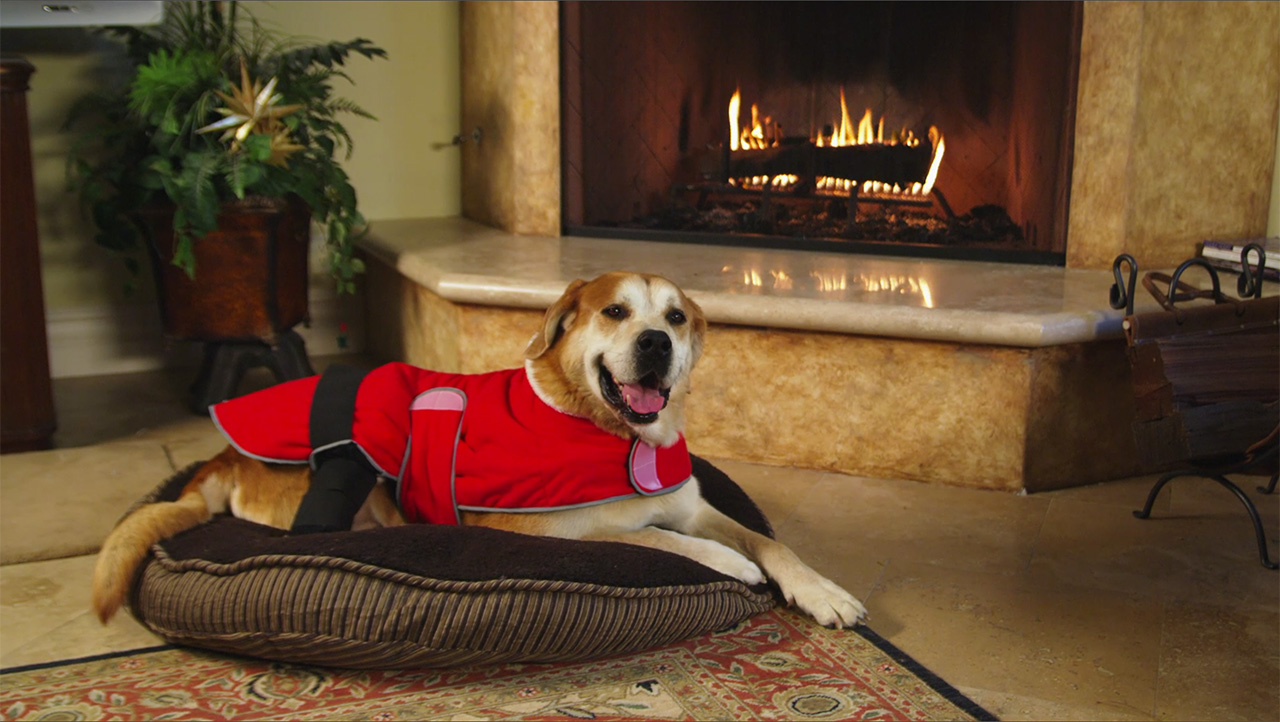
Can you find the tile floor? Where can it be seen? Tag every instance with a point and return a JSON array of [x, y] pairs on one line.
[[1052, 606]]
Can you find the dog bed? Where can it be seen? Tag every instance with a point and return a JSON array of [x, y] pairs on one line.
[[427, 596]]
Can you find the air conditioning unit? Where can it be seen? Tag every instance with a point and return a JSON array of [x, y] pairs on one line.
[[29, 14]]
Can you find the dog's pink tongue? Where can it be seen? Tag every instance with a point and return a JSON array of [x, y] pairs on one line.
[[643, 400]]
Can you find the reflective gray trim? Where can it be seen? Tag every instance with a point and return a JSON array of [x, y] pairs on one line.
[[214, 415], [404, 463], [336, 444]]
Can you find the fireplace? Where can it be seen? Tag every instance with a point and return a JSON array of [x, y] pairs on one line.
[[900, 128], [1160, 89]]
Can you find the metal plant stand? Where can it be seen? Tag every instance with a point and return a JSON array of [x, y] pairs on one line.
[[226, 362]]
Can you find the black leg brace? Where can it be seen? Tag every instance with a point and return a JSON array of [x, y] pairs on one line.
[[342, 476]]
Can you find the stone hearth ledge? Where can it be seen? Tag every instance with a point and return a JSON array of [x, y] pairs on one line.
[[983, 375], [937, 300]]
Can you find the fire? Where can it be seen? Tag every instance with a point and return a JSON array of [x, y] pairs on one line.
[[757, 182], [754, 137], [939, 147], [735, 104], [867, 131], [765, 134]]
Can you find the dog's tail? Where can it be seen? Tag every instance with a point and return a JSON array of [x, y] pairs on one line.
[[130, 542]]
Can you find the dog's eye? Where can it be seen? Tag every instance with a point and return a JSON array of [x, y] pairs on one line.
[[675, 317], [615, 312]]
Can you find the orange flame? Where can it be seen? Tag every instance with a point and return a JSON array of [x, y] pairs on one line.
[[939, 147], [845, 136], [753, 137], [864, 129], [735, 104]]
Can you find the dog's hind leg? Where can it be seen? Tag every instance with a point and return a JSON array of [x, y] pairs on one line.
[[379, 510]]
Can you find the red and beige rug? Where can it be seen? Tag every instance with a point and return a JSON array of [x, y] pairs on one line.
[[774, 666]]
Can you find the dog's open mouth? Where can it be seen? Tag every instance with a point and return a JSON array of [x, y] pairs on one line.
[[639, 402]]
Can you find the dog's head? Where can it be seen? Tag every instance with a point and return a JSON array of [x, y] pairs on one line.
[[619, 350]]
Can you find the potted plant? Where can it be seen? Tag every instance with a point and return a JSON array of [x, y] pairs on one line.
[[215, 158]]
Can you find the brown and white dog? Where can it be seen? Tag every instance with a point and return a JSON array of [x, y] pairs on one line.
[[585, 361]]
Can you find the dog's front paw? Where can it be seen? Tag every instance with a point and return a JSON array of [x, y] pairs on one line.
[[825, 601], [720, 558], [730, 562]]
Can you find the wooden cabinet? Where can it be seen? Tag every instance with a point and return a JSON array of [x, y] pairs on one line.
[[26, 392]]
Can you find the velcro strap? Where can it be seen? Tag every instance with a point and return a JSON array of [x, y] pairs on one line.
[[333, 407]]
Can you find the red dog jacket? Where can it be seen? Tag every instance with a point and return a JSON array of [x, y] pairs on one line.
[[461, 442]]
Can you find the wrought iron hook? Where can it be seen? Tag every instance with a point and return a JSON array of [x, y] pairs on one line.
[[1122, 295], [1174, 296], [1250, 283]]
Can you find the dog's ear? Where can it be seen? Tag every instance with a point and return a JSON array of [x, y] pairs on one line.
[[558, 319], [698, 327]]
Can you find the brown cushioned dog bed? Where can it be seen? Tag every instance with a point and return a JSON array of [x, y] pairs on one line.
[[424, 596]]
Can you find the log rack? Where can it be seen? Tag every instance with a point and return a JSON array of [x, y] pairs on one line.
[[1200, 436]]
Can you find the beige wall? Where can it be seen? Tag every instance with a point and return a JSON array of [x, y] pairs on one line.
[[510, 69], [1273, 218], [404, 165], [1175, 128], [398, 169]]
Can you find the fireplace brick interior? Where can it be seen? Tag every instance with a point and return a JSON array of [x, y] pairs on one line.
[[645, 87]]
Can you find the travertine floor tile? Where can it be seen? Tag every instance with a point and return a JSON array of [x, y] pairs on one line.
[[1009, 707], [45, 615], [63, 502], [1079, 648], [924, 523], [1196, 495], [1125, 493], [1208, 556], [777, 490], [1219, 663]]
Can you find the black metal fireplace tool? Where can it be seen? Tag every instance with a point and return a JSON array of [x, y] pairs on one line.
[[1206, 379]]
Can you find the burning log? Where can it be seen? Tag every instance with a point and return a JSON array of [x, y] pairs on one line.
[[885, 163], [798, 160], [889, 164], [898, 165]]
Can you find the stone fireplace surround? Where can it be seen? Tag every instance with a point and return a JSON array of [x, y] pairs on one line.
[[1008, 377]]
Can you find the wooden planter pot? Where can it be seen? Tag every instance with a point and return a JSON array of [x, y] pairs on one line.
[[249, 291]]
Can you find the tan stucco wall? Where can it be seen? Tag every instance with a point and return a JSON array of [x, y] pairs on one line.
[[1176, 121]]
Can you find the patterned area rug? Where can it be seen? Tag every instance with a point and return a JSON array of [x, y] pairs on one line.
[[774, 666]]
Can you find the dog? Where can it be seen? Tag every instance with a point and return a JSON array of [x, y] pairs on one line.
[[614, 356]]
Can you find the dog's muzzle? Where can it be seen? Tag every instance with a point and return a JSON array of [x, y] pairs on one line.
[[653, 353], [641, 400]]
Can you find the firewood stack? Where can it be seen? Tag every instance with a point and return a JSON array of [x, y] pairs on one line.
[[1206, 378]]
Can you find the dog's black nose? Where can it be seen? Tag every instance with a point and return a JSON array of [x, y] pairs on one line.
[[654, 344]]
